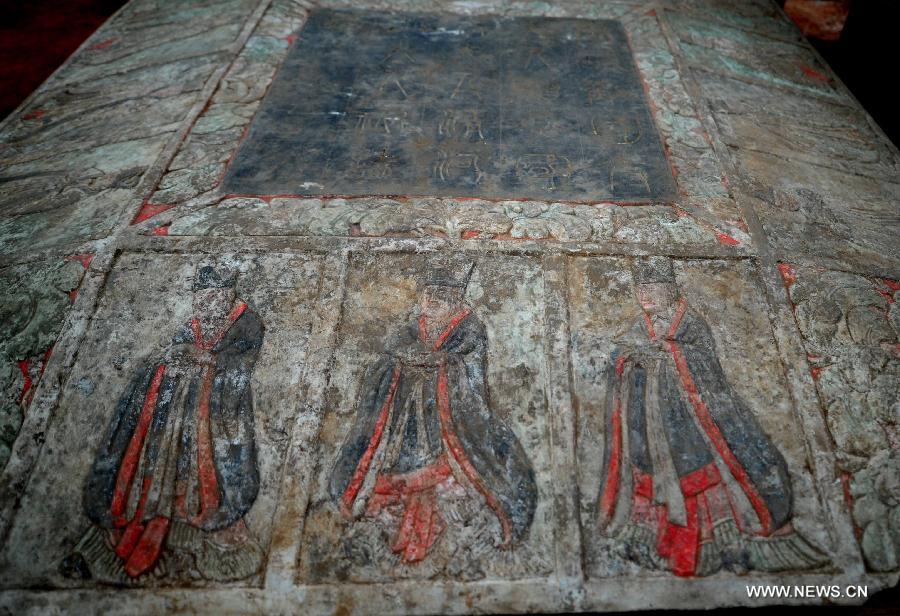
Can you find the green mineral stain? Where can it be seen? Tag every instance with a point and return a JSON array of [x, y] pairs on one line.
[[261, 48], [32, 310]]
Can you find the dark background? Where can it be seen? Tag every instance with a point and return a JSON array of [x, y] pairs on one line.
[[866, 59], [36, 36]]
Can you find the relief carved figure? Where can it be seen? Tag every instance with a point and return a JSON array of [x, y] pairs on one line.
[[425, 436], [177, 472], [690, 481], [851, 331]]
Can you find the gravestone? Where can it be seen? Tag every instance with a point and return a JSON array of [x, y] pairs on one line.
[[406, 306], [419, 104]]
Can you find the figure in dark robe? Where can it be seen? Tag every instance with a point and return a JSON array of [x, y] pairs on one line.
[[177, 469], [690, 481], [424, 422]]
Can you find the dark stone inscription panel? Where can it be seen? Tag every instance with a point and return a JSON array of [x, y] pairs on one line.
[[425, 104]]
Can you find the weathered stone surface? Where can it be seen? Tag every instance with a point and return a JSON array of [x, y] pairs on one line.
[[760, 16], [137, 326], [773, 402], [445, 218], [850, 330], [821, 179], [35, 301], [72, 159], [847, 143], [393, 107], [200, 163], [729, 356], [740, 53], [806, 209]]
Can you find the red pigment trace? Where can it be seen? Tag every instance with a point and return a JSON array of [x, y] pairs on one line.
[[149, 210], [848, 498], [28, 384], [84, 258], [813, 73], [726, 239], [23, 366], [85, 261], [788, 273], [37, 114], [103, 44]]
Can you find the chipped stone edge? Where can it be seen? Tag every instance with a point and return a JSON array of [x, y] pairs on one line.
[[534, 595]]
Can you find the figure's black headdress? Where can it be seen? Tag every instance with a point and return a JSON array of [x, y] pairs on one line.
[[454, 275], [209, 278], [648, 270]]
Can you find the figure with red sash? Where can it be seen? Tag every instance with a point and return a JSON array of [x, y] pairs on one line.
[[424, 428], [177, 469], [690, 482]]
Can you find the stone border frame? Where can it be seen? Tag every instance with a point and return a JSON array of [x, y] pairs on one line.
[[194, 175]]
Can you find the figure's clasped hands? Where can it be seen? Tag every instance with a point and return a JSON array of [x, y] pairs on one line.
[[420, 358], [188, 355]]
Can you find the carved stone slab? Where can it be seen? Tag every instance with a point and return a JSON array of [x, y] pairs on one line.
[[851, 331], [106, 422], [416, 104], [461, 485], [687, 418], [416, 306]]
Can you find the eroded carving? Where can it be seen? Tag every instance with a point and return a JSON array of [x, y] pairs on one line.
[[177, 470], [850, 328], [474, 134], [690, 481], [425, 436], [35, 301]]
